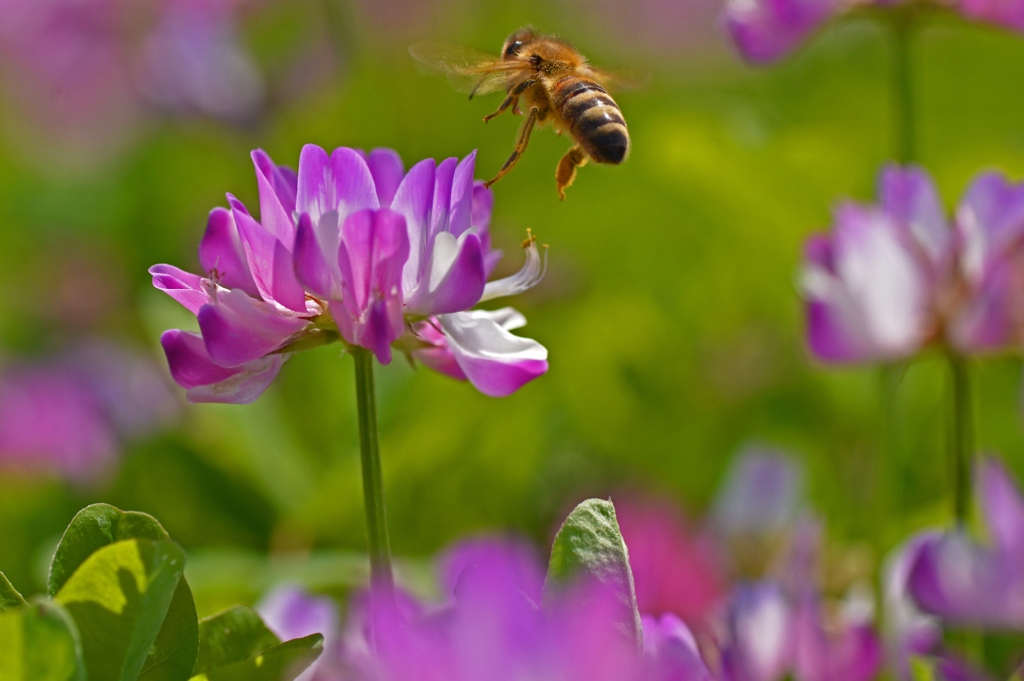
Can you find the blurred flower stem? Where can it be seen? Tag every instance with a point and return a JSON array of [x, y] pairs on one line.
[[961, 435], [373, 481], [902, 86], [901, 25]]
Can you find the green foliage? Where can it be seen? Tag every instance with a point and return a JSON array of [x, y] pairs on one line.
[[282, 662], [589, 545], [9, 596], [174, 651], [40, 643], [93, 528], [232, 636], [121, 611], [119, 597]]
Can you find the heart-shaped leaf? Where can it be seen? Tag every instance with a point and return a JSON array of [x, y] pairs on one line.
[[173, 654], [235, 635], [119, 598], [9, 596], [40, 643], [589, 545], [282, 662]]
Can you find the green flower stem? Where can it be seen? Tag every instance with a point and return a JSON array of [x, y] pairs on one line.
[[373, 481], [890, 471], [905, 137], [961, 435]]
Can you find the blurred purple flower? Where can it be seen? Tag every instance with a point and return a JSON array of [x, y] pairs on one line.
[[761, 494], [86, 69], [909, 632], [68, 417], [967, 583], [772, 634], [674, 569], [194, 61], [895, 277], [766, 31], [494, 627], [290, 612], [350, 246]]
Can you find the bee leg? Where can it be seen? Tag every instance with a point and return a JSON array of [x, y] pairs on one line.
[[566, 173], [512, 99], [521, 141]]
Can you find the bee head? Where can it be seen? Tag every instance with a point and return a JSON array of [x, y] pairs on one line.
[[515, 42]]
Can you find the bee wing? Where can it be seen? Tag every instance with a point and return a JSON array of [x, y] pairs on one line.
[[468, 70], [618, 80]]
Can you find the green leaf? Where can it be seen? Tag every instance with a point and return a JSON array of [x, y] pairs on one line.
[[174, 651], [119, 598], [235, 635], [589, 545], [9, 596], [40, 643], [173, 655], [282, 662], [93, 528]]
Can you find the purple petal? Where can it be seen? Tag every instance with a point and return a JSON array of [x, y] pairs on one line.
[[386, 168], [761, 495], [270, 262], [761, 642], [768, 30], [238, 329], [438, 356], [277, 199], [184, 287], [874, 304], [909, 196], [312, 267], [414, 199], [483, 206], [454, 279], [341, 182], [443, 180], [670, 651], [496, 362], [990, 221], [460, 216], [374, 248], [851, 652], [984, 321], [221, 253], [205, 381], [1003, 506]]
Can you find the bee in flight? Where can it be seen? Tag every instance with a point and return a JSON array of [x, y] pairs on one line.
[[557, 85]]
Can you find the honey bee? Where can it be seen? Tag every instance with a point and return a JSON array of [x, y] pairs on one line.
[[558, 86]]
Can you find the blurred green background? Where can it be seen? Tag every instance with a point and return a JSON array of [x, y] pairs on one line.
[[670, 308]]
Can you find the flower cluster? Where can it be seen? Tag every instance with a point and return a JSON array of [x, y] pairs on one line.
[[898, 276], [351, 248], [765, 31]]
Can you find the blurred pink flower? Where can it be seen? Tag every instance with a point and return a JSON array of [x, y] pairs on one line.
[[493, 626], [766, 31], [674, 569], [69, 416]]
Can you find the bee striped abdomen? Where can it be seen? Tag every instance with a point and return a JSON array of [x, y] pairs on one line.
[[593, 118]]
